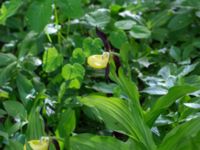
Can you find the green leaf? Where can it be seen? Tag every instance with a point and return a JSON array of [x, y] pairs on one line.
[[13, 144], [140, 32], [7, 72], [73, 73], [15, 109], [117, 38], [70, 8], [35, 129], [160, 18], [180, 21], [52, 59], [8, 9], [39, 14], [184, 70], [129, 88], [6, 59], [167, 100], [25, 88], [159, 34], [125, 24], [175, 137], [99, 18], [175, 53], [192, 3], [95, 142], [155, 90], [14, 128], [92, 46], [2, 113], [66, 125], [4, 135], [117, 116], [192, 105], [78, 56], [75, 84], [125, 51], [104, 87], [4, 94]]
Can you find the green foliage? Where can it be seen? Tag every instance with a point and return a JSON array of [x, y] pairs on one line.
[[70, 8], [15, 109], [81, 142], [117, 38], [37, 20], [8, 9], [25, 88], [73, 73], [92, 46], [52, 59], [165, 101], [175, 136], [140, 32], [117, 116], [35, 128], [146, 99]]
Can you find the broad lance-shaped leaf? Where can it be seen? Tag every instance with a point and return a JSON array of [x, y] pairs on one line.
[[167, 100], [35, 129], [39, 14], [129, 88], [7, 72], [15, 109], [187, 130], [66, 125], [95, 142], [6, 59], [140, 32], [117, 116], [25, 88]]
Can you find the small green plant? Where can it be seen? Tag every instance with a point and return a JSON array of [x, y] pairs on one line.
[[99, 75]]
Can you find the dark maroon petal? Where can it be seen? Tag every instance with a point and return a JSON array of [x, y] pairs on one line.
[[108, 47], [104, 39]]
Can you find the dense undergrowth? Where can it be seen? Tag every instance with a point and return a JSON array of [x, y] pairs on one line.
[[147, 97]]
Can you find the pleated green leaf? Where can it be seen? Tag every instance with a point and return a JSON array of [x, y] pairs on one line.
[[95, 142], [35, 128], [117, 116], [174, 139]]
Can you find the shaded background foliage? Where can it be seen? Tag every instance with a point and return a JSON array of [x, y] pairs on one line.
[[47, 89]]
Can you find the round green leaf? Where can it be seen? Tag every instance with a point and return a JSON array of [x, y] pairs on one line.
[[51, 59]]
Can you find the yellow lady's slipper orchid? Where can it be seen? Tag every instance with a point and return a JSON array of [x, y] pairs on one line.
[[42, 144], [98, 61]]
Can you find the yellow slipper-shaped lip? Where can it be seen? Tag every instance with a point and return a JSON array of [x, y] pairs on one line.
[[39, 144], [98, 61]]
